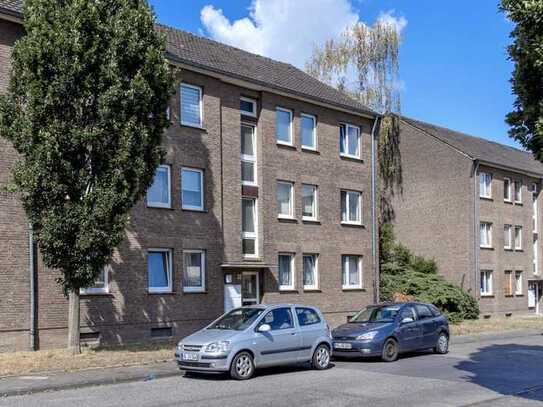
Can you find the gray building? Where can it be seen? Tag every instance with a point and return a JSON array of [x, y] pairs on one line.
[[474, 206]]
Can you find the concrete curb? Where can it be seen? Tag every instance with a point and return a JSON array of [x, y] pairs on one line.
[[491, 336]]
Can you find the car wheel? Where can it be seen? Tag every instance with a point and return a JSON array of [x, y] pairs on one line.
[[321, 358], [390, 350], [442, 345], [243, 366]]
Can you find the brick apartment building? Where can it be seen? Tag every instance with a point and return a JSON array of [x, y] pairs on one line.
[[264, 196], [474, 206]]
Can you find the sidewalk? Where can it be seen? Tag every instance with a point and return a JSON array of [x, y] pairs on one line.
[[19, 385]]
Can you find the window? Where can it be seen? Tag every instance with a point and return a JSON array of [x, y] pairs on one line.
[[247, 106], [351, 207], [249, 227], [349, 141], [518, 191], [534, 208], [536, 255], [486, 282], [192, 189], [309, 131], [159, 270], [307, 316], [286, 271], [193, 270], [508, 283], [507, 237], [518, 237], [279, 318], [101, 283], [486, 234], [283, 126], [311, 279], [191, 105], [408, 312], [518, 282], [352, 272], [507, 189], [309, 202], [285, 199], [158, 194], [248, 155], [423, 311], [485, 185]]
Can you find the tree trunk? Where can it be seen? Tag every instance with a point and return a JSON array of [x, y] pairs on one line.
[[73, 322]]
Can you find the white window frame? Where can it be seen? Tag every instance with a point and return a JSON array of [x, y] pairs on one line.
[[486, 289], [518, 282], [485, 192], [536, 255], [509, 229], [251, 159], [167, 205], [518, 184], [314, 118], [489, 230], [315, 202], [292, 285], [315, 286], [291, 199], [193, 207], [201, 109], [253, 103], [508, 189], [202, 287], [251, 235], [95, 290], [344, 264], [359, 212], [535, 209], [169, 271], [346, 154], [291, 138], [519, 229]]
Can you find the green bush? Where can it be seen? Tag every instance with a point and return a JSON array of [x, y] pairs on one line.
[[404, 273]]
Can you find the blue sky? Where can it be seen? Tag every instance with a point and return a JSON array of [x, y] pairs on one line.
[[453, 65]]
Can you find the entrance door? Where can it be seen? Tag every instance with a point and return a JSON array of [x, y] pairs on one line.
[[535, 292], [250, 292]]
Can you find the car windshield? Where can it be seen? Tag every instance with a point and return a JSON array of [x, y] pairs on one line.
[[237, 319], [385, 313]]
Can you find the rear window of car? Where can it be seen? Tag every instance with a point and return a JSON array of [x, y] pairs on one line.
[[307, 316], [423, 311]]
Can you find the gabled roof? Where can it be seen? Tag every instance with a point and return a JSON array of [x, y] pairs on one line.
[[486, 151], [214, 56]]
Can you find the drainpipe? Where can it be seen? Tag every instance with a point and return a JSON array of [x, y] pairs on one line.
[[374, 253], [476, 242], [32, 280]]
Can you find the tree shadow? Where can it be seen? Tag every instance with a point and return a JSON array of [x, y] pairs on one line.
[[508, 369]]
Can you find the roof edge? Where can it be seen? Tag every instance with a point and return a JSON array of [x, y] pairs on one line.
[[10, 15]]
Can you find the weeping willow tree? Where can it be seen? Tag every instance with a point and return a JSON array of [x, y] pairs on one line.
[[364, 63]]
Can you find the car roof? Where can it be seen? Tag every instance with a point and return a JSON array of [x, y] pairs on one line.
[[279, 305]]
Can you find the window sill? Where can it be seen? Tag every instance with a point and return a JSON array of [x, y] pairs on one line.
[[158, 207], [508, 249], [161, 292], [194, 210], [518, 203], [519, 250], [351, 158], [353, 289], [85, 295], [486, 198], [286, 145], [287, 219], [310, 220], [508, 201], [288, 290], [487, 295], [519, 295], [193, 126], [312, 290], [486, 247], [310, 150], [353, 224], [195, 292], [247, 115]]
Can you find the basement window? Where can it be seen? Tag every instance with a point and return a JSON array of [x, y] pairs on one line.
[[164, 332]]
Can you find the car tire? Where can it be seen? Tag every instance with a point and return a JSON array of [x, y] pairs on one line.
[[243, 366], [442, 345], [390, 350], [321, 357]]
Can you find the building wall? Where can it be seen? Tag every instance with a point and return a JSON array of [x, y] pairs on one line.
[[434, 215]]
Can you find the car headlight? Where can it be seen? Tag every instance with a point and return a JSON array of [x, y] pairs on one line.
[[179, 347], [217, 347], [368, 336]]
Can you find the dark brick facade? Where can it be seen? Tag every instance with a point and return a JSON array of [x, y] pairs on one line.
[[128, 311]]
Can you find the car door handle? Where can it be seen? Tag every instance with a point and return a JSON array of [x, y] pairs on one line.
[[294, 333]]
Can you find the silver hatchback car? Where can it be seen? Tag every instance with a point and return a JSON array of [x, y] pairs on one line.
[[250, 337]]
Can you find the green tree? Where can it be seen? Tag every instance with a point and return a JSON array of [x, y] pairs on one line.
[[364, 63], [526, 51], [86, 109]]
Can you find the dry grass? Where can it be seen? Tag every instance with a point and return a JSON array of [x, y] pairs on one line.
[[59, 360], [496, 325]]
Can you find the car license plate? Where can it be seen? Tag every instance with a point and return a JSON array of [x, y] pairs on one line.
[[341, 345], [190, 356]]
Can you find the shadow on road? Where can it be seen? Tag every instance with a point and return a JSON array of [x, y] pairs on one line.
[[509, 369]]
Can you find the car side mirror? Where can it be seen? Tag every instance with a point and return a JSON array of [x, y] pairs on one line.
[[407, 320], [264, 328], [350, 318]]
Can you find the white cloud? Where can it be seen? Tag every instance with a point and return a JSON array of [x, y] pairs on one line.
[[285, 30], [388, 18]]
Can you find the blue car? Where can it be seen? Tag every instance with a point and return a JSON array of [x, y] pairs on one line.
[[387, 330]]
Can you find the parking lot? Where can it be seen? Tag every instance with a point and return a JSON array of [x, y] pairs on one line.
[[492, 373]]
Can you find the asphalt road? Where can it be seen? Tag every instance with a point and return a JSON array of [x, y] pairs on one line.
[[498, 373]]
